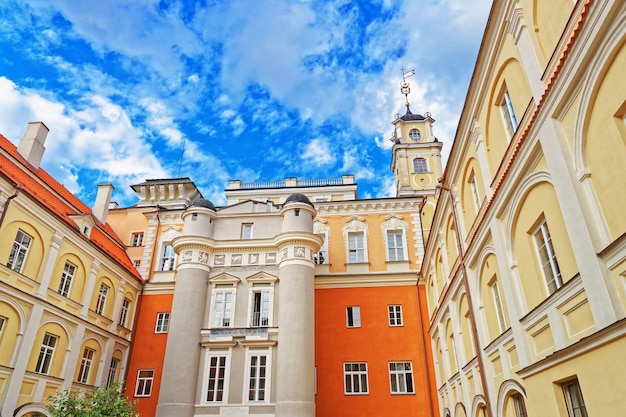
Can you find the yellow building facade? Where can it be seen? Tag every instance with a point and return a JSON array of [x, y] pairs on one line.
[[68, 292], [526, 263]]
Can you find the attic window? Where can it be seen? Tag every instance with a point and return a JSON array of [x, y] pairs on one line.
[[86, 230]]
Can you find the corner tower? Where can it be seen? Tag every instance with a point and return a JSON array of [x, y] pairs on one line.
[[416, 153]]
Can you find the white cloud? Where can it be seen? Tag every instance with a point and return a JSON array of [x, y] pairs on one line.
[[318, 153]]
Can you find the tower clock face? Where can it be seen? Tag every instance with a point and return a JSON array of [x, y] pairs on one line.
[[415, 135]]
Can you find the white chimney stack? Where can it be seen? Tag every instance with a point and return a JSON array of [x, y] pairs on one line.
[[31, 145], [103, 198]]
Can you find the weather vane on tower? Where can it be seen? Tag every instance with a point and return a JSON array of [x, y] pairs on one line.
[[404, 86]]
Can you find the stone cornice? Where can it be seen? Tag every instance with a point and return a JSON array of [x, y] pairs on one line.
[[370, 206]]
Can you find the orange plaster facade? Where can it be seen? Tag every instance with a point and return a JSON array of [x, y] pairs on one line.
[[375, 343], [148, 350]]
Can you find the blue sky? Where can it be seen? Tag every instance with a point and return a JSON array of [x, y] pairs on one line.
[[250, 90]]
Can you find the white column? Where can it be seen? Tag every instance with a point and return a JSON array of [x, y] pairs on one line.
[[600, 288], [49, 265], [119, 298], [517, 28], [72, 355], [89, 287], [24, 351]]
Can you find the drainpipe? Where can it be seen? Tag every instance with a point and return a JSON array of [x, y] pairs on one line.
[[481, 365], [18, 188]]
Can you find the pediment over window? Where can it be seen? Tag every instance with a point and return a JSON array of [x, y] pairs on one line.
[[262, 277], [224, 278]]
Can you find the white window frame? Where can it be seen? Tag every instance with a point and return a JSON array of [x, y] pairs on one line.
[[266, 295], [394, 313], [143, 386], [497, 302], [210, 355], [402, 377], [19, 251], [85, 365], [353, 317], [519, 405], [112, 374], [357, 250], [167, 260], [3, 322], [136, 239], [126, 302], [578, 409], [321, 257], [101, 301], [399, 252], [67, 277], [474, 190], [250, 354], [359, 375], [46, 353], [415, 135], [218, 318], [162, 322], [508, 114], [420, 165], [246, 231], [394, 224], [542, 239]]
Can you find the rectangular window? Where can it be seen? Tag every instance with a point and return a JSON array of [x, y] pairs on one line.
[[356, 247], [401, 377], [261, 308], [508, 114], [66, 279], [217, 378], [574, 399], [474, 189], [112, 377], [124, 312], [355, 378], [19, 251], [222, 309], [395, 315], [162, 323], [395, 245], [168, 258], [353, 316], [137, 263], [321, 257], [519, 405], [257, 378], [46, 353], [547, 258], [102, 298], [420, 165], [497, 302], [136, 239], [85, 365], [246, 231], [143, 388]]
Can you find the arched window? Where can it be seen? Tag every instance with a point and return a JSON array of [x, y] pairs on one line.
[[419, 165]]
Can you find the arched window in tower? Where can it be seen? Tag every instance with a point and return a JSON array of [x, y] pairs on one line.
[[420, 165]]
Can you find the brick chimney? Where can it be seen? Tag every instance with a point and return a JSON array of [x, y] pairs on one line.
[[31, 145], [103, 198]]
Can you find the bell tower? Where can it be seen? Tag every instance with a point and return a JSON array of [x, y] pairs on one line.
[[416, 153]]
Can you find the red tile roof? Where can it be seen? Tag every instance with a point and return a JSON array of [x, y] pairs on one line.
[[60, 201]]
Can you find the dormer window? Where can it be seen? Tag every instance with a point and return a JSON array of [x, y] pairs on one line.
[[86, 230], [415, 135]]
